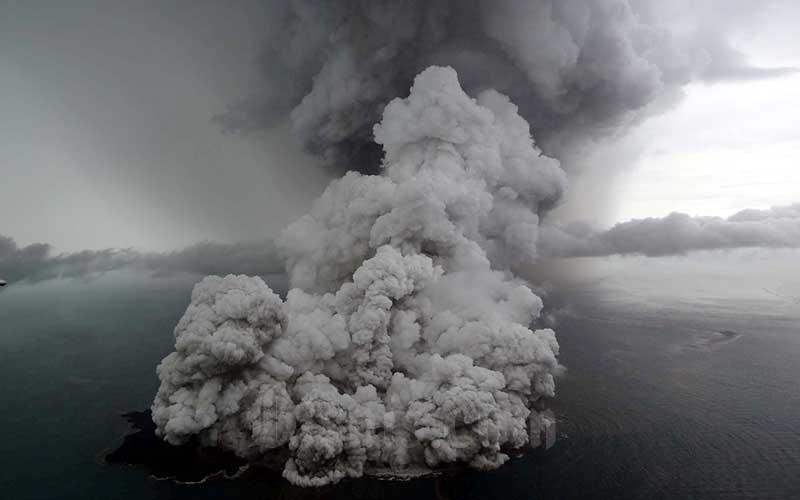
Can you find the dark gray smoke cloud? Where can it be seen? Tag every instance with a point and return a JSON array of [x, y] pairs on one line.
[[677, 234], [38, 262], [576, 68]]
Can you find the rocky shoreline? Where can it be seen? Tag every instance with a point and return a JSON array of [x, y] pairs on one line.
[[188, 463], [192, 463]]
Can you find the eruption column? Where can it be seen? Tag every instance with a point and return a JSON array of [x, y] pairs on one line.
[[405, 339]]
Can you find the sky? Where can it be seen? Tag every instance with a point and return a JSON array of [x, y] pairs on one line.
[[109, 139], [726, 145]]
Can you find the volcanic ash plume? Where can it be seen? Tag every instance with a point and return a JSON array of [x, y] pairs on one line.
[[405, 339], [578, 69]]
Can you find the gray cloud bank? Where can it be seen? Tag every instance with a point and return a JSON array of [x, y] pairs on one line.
[[38, 262], [676, 234]]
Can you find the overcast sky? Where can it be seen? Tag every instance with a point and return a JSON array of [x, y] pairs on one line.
[[726, 146], [107, 138]]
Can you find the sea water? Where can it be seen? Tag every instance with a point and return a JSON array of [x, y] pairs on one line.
[[667, 393]]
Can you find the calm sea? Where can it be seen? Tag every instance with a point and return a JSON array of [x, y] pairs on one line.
[[674, 394]]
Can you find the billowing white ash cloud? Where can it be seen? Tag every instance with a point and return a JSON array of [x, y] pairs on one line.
[[677, 234], [405, 340]]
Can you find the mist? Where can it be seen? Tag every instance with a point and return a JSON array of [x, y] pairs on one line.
[[38, 261]]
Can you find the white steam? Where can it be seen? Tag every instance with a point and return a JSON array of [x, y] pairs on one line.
[[405, 340]]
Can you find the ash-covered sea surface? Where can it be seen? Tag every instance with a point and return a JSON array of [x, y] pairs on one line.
[[689, 391]]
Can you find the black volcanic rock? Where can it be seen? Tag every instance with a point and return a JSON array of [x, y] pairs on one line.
[[185, 463], [194, 463]]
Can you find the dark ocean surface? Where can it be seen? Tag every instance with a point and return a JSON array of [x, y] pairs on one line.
[[683, 393]]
